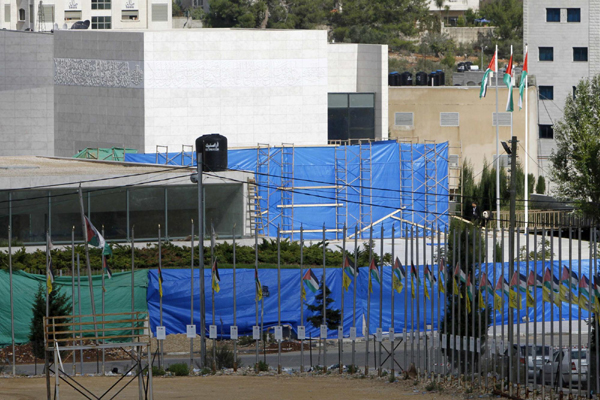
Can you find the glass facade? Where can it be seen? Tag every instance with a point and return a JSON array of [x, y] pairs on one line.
[[351, 116], [33, 212]]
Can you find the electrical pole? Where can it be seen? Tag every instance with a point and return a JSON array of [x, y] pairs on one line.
[[511, 229]]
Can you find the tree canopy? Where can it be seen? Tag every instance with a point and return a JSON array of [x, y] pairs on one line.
[[576, 159], [507, 18]]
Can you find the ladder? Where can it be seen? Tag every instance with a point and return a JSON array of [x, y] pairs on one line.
[[263, 158], [254, 217], [341, 189], [287, 189], [406, 180], [365, 181]]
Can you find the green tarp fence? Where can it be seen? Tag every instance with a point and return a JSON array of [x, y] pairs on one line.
[[25, 286], [112, 154]]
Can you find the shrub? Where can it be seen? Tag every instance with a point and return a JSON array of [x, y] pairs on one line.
[[156, 371], [224, 357], [179, 369], [263, 366]]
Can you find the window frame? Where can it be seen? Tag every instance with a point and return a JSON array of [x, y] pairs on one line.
[[546, 87], [578, 15], [96, 25], [101, 4], [545, 49], [548, 14], [575, 49], [547, 132]]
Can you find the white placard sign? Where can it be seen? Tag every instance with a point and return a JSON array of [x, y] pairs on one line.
[[233, 332], [405, 334], [161, 333], [472, 344], [278, 333], [501, 346], [301, 332], [212, 332], [391, 335], [478, 345], [444, 343], [379, 335], [465, 345], [190, 331], [323, 331], [340, 332], [452, 342], [256, 332], [353, 333]]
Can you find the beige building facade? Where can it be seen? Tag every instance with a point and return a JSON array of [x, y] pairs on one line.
[[457, 115]]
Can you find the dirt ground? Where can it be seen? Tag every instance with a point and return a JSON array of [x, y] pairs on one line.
[[235, 387]]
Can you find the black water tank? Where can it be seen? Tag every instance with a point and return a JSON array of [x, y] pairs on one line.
[[461, 67], [421, 79], [214, 152], [406, 78], [442, 77], [392, 78], [433, 79]]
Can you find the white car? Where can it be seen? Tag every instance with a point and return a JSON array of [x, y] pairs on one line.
[[570, 371]]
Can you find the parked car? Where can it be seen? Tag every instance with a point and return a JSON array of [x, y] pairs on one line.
[[536, 358], [569, 371]]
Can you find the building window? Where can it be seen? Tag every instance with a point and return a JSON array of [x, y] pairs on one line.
[[573, 14], [574, 92], [546, 132], [160, 12], [504, 120], [552, 14], [7, 13], [350, 116], [101, 22], [449, 119], [546, 53], [21, 14], [100, 4], [72, 15], [130, 15], [404, 119], [546, 92], [48, 13], [580, 54]]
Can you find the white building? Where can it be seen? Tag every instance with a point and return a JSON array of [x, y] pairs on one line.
[[46, 15], [451, 10], [78, 89], [564, 47]]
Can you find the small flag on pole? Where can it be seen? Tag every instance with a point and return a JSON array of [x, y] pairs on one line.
[[373, 274], [469, 293], [442, 280], [415, 281], [349, 269], [523, 82], [428, 277], [93, 236], [460, 273], [509, 80], [259, 292], [311, 281], [215, 277], [160, 281], [489, 72], [398, 275], [49, 271], [584, 293]]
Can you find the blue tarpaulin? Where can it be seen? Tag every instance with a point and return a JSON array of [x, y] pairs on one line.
[[355, 185], [176, 300]]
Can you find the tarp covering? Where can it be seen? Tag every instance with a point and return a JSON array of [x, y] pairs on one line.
[[112, 154], [356, 185], [25, 287]]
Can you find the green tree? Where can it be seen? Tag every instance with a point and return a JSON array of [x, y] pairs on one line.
[[507, 18], [540, 188], [576, 160], [234, 14], [531, 183], [176, 10], [379, 21], [334, 317], [59, 305]]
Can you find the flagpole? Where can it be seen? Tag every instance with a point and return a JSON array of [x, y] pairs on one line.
[[202, 289], [256, 297], [235, 357], [405, 330], [417, 302], [497, 146], [368, 322], [341, 337], [12, 309], [160, 342], [354, 298], [526, 145], [379, 334], [103, 308], [79, 311], [301, 303], [72, 290], [192, 297], [392, 330], [87, 261], [279, 297], [212, 260], [580, 294], [324, 305]]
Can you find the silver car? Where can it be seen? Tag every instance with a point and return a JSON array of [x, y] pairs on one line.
[[573, 368], [536, 358]]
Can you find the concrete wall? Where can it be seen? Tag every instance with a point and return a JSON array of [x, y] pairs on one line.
[[455, 5], [26, 94], [361, 68], [253, 86], [563, 73], [186, 23], [475, 137], [99, 92], [467, 35]]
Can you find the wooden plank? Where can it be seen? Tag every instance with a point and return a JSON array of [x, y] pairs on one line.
[[98, 338], [105, 322], [51, 333], [96, 315]]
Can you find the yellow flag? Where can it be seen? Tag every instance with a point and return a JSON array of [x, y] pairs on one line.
[[426, 291], [302, 292], [345, 281], [596, 305], [215, 284], [530, 300], [455, 288], [498, 302], [160, 291], [583, 302], [564, 294], [441, 287], [481, 300], [468, 305], [49, 284], [370, 285], [397, 284], [412, 286], [514, 300]]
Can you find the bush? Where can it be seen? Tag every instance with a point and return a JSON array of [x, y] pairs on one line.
[[156, 371], [263, 366], [179, 369], [224, 357], [59, 305]]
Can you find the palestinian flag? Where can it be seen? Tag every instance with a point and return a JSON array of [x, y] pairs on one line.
[[428, 277], [596, 296], [442, 277], [484, 285], [215, 277], [502, 285], [584, 293], [414, 277], [469, 293], [259, 292], [523, 287], [522, 84], [535, 281], [569, 281], [373, 274], [551, 288], [460, 273], [398, 276], [107, 252], [350, 268], [311, 281], [93, 236], [509, 80], [489, 72], [514, 299]]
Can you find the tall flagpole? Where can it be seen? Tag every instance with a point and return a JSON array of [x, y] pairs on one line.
[[12, 309], [497, 147], [526, 148]]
